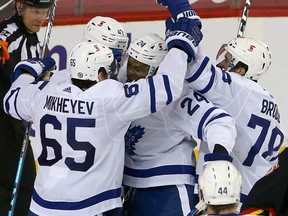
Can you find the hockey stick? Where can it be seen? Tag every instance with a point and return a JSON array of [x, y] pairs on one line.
[[5, 5], [49, 29], [28, 128], [244, 18], [242, 26], [201, 206]]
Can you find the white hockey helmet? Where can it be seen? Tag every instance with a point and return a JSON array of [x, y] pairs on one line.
[[220, 183], [255, 54], [107, 31], [148, 49], [87, 58]]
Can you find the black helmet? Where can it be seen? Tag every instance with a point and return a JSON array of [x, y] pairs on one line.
[[37, 3]]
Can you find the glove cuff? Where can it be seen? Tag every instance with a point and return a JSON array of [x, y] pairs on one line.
[[25, 67], [217, 156], [34, 66]]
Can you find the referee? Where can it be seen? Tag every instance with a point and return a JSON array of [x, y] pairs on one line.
[[18, 41]]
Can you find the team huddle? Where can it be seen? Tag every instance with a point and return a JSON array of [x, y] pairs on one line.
[[115, 131]]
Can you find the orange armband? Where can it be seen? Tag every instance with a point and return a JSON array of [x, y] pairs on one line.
[[4, 54]]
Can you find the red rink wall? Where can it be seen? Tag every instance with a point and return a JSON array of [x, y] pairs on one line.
[[81, 11]]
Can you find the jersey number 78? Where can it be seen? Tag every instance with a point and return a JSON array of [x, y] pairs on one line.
[[272, 145]]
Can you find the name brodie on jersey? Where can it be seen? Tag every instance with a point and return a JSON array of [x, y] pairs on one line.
[[66, 105], [271, 109]]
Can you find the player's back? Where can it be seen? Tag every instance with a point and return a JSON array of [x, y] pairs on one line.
[[257, 121], [158, 153], [259, 135], [82, 136], [159, 147], [64, 115]]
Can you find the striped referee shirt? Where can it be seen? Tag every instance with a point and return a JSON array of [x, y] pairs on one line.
[[21, 45]]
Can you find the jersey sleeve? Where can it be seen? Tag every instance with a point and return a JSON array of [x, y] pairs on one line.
[[20, 99], [203, 120], [145, 96], [218, 85]]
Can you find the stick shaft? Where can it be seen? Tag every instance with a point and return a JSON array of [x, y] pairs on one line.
[[244, 18], [19, 171], [48, 29]]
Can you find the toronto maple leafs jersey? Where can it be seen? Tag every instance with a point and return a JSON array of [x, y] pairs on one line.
[[79, 140], [257, 119], [159, 147]]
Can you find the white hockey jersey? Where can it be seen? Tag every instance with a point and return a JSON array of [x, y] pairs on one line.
[[79, 141], [159, 147], [257, 119]]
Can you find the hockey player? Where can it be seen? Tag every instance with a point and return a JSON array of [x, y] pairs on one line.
[[269, 195], [160, 163], [110, 32], [80, 123], [233, 88], [259, 134], [220, 188], [18, 41]]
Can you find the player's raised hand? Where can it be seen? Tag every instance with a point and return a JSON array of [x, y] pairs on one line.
[[4, 54], [117, 54], [184, 34], [179, 8], [35, 66]]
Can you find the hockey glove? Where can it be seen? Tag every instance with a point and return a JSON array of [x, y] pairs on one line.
[[184, 34], [34, 66], [4, 54], [117, 54], [179, 8]]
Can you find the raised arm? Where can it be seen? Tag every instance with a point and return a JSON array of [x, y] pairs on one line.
[[25, 73]]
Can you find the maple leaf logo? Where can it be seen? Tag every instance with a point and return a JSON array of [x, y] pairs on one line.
[[132, 136]]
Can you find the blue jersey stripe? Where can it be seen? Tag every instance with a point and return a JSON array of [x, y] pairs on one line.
[[106, 195], [203, 119], [7, 105], [43, 85], [152, 94], [196, 179], [199, 71], [163, 170], [210, 83], [221, 115], [168, 89]]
